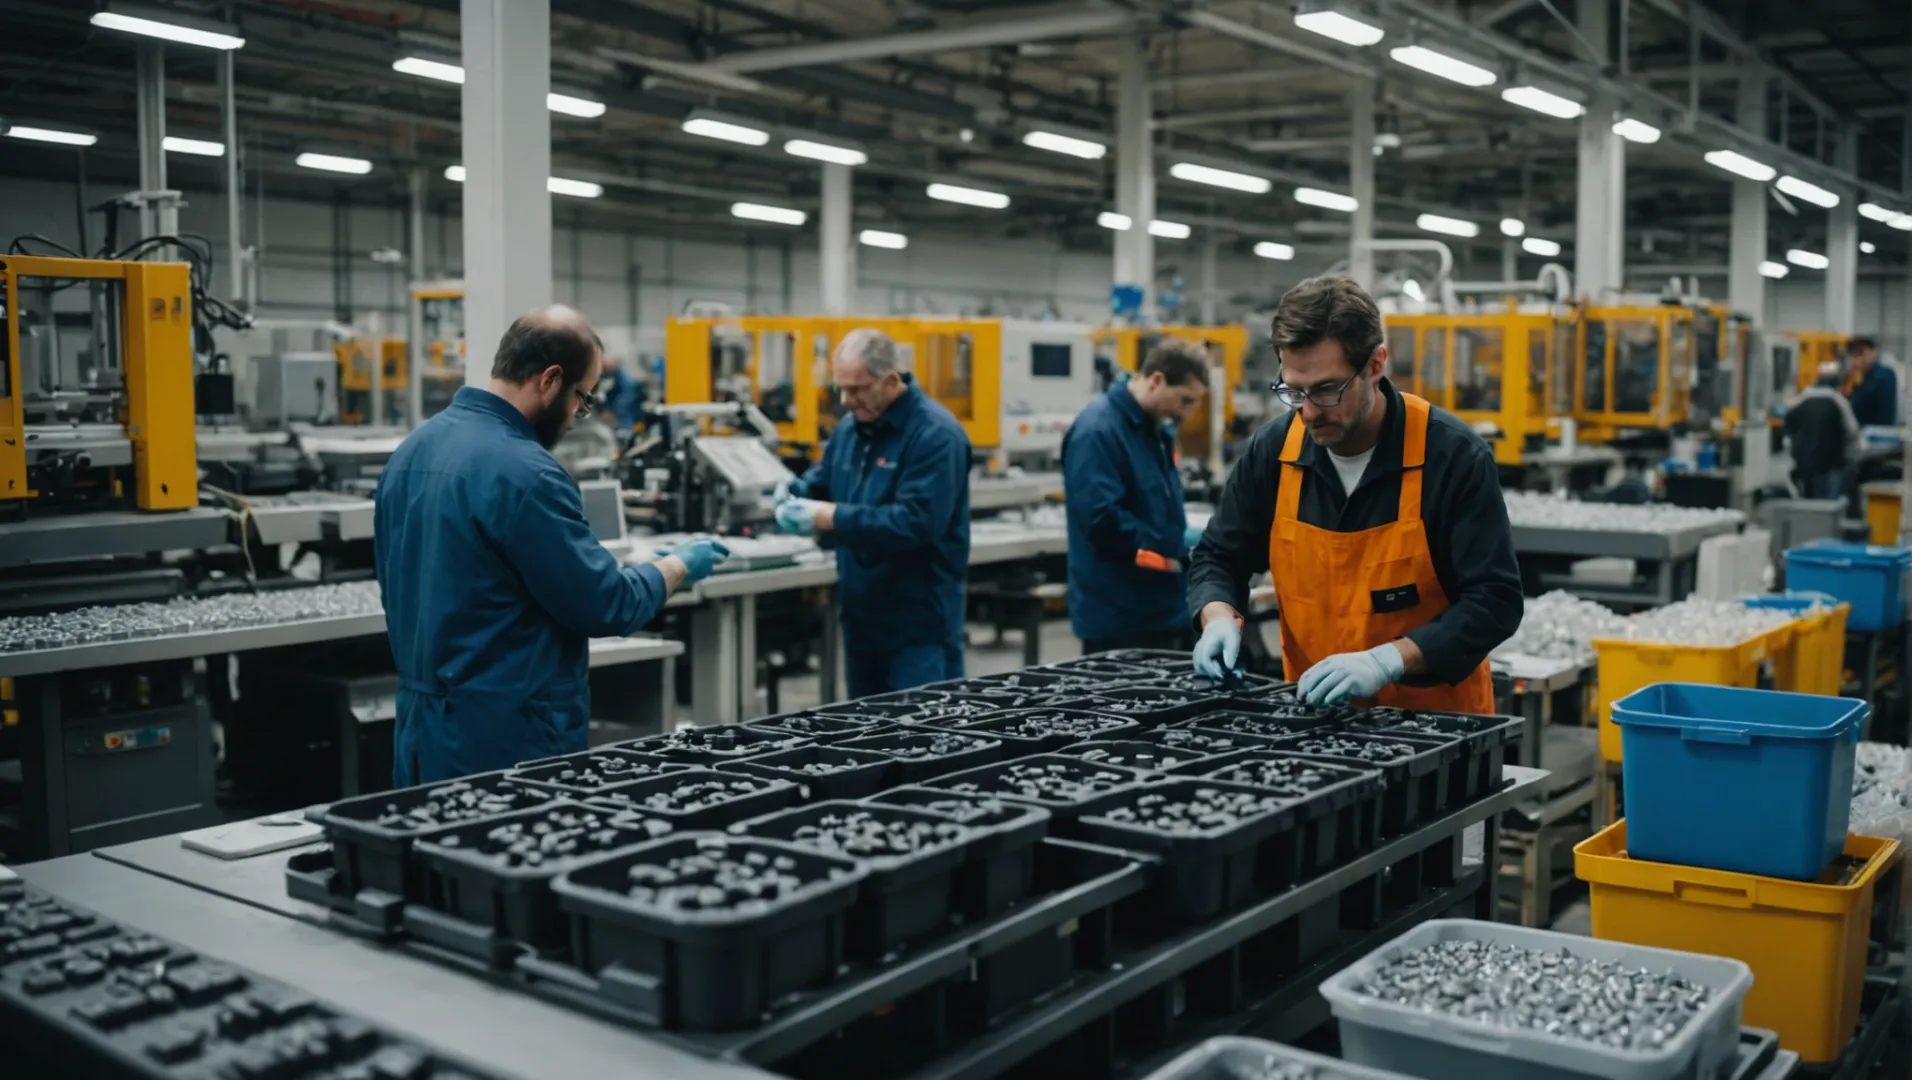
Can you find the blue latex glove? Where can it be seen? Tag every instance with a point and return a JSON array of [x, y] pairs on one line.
[[788, 488], [1343, 677], [699, 557], [797, 516], [1191, 536], [1218, 653]]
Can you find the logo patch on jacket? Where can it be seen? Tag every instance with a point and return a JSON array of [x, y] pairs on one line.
[[1399, 598]]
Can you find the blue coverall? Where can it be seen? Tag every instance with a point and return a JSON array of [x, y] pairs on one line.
[[494, 585], [1124, 496], [625, 399], [901, 485], [1875, 401]]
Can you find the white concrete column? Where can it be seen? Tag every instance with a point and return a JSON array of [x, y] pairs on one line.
[[1600, 210], [1509, 258], [1842, 245], [151, 75], [1135, 171], [1361, 183], [1210, 287], [507, 154], [835, 243], [229, 124], [1745, 288]]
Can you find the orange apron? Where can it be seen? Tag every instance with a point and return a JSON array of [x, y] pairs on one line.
[[1349, 592]]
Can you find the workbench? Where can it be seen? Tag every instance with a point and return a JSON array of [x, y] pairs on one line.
[[1668, 562]]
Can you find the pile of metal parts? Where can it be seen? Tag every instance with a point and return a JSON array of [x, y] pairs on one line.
[[193, 615], [1561, 626], [1528, 510]]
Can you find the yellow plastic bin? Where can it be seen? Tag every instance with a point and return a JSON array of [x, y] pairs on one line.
[[1882, 512], [1626, 666], [1805, 941], [1809, 653]]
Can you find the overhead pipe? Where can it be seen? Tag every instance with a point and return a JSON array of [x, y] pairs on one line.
[[1078, 23]]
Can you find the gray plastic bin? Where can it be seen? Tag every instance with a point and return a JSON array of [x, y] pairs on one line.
[[1232, 1058], [1436, 1046]]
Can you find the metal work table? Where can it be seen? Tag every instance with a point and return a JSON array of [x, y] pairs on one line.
[[1670, 560], [107, 533], [1536, 680]]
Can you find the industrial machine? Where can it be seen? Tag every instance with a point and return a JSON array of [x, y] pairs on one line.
[[437, 360], [1505, 372], [356, 359], [1644, 366], [778, 363], [1817, 347], [702, 467]]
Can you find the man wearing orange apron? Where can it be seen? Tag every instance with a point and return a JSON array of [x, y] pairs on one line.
[[1380, 517]]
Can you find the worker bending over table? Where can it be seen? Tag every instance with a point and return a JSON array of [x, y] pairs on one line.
[[892, 491], [1128, 530], [493, 581], [1380, 516]]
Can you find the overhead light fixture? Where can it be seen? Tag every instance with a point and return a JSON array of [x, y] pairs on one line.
[[556, 185], [877, 238], [1109, 219], [1876, 212], [1268, 249], [1811, 260], [1901, 222], [1867, 247], [988, 200], [1812, 193], [1638, 131], [1740, 165], [455, 173], [1327, 200], [201, 147], [775, 215], [1546, 249], [572, 105], [1543, 101], [1169, 230], [429, 69], [1065, 144], [831, 153], [1447, 67], [52, 135], [333, 163], [1326, 20], [1437, 223], [1512, 227], [172, 27], [1771, 269], [1221, 178], [710, 127], [1413, 291]]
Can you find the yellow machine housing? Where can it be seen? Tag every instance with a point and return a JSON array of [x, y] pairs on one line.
[[1509, 370], [355, 375], [1817, 347], [143, 314], [437, 359], [1635, 366], [1227, 347]]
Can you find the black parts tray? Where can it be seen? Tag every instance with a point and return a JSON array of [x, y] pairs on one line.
[[1415, 772], [372, 835], [481, 901], [944, 707], [1150, 706], [1242, 685], [1482, 741], [1046, 729], [715, 968], [904, 897], [822, 771], [1066, 787], [1031, 684], [921, 755], [1167, 661], [709, 745], [593, 769], [818, 725], [1000, 861], [1149, 755], [1105, 671], [1188, 738], [723, 797], [1340, 805], [1258, 728], [1217, 868]]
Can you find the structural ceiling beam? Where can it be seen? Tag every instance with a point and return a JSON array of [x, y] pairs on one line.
[[1080, 22]]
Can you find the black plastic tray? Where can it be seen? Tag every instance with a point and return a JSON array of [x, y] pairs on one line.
[[914, 764], [1207, 873], [586, 772], [1148, 755], [370, 857], [769, 794], [1269, 717], [709, 745], [1027, 682], [817, 725], [707, 970], [1245, 686], [1191, 739], [1000, 859], [1103, 670], [1044, 727], [853, 773], [1340, 810], [903, 898], [1482, 739], [990, 781], [1416, 784], [1168, 661], [945, 707], [1150, 706]]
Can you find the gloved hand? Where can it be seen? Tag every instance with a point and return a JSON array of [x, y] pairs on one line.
[[1218, 653], [1345, 676], [1191, 536], [797, 516], [788, 488], [699, 557]]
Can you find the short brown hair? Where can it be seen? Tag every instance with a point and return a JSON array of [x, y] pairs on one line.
[[1179, 360], [1329, 307]]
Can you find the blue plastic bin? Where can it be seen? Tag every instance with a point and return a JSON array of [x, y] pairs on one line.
[[1869, 577], [1726, 778]]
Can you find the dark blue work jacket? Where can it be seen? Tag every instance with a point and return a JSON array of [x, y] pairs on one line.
[[1123, 494], [494, 585], [1875, 401], [901, 485]]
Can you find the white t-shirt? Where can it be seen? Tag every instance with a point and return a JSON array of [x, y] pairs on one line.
[[1350, 468]]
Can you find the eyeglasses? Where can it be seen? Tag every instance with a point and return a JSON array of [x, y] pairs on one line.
[[1323, 397], [588, 402]]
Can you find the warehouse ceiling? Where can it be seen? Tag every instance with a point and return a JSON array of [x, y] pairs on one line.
[[1236, 82]]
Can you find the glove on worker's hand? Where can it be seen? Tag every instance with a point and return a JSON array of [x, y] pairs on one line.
[[1345, 676], [1218, 653], [1191, 536], [792, 487], [797, 516], [699, 557]]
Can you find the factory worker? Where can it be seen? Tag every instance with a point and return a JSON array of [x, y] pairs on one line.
[[1380, 516], [1875, 396], [493, 581], [892, 491], [1128, 531], [1823, 436]]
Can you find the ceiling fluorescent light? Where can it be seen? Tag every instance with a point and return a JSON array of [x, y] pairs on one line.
[[1109, 219], [712, 128], [1901, 222], [1543, 101], [1812, 193], [1867, 247], [1327, 200], [1811, 260], [582, 189], [877, 238], [455, 173], [1546, 249], [826, 152], [1740, 165], [1436, 223], [1169, 230], [1339, 26], [1512, 227], [201, 147], [1876, 212], [1221, 178], [333, 163], [206, 35], [988, 200], [429, 69], [1065, 144], [570, 105], [52, 135], [776, 215], [1413, 291], [1772, 269], [1447, 67], [1638, 131], [1268, 249]]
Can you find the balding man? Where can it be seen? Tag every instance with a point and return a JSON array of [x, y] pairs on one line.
[[493, 581], [893, 490]]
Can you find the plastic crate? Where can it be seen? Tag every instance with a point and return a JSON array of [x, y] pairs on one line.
[[1234, 1058], [1104, 671], [1146, 754], [707, 970], [747, 796], [1340, 806], [1149, 706], [1047, 729], [1482, 741], [1624, 666], [1000, 862], [370, 855], [1869, 577], [1437, 1046], [586, 772], [1168, 661], [1756, 781], [924, 755], [903, 898], [1027, 681], [1415, 777], [1272, 719], [822, 772], [709, 745], [818, 726], [1882, 513], [1079, 786], [1212, 871], [1805, 941], [946, 707], [1814, 660]]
